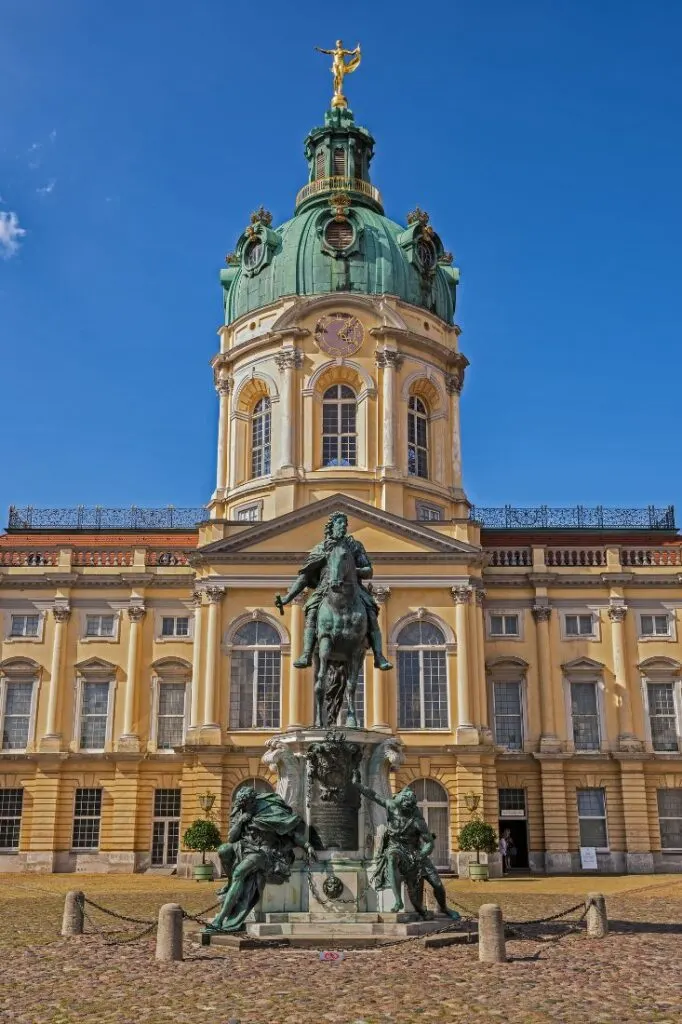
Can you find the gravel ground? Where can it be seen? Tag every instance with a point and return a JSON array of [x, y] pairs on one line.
[[631, 976]]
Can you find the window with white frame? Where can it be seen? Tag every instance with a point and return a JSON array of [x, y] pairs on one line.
[[100, 625], [429, 513], [249, 514], [166, 827], [432, 800], [255, 677], [170, 714], [175, 626], [585, 715], [11, 806], [662, 715], [508, 714], [87, 816], [261, 438], [417, 438], [94, 714], [25, 625], [579, 625], [654, 624], [670, 818], [422, 677], [503, 624], [15, 712], [339, 432], [592, 818]]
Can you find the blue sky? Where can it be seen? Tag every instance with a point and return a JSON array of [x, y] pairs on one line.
[[542, 136]]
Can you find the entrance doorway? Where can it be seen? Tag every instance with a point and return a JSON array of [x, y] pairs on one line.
[[513, 819], [166, 827]]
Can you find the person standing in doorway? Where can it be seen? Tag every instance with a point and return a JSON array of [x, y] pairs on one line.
[[507, 850]]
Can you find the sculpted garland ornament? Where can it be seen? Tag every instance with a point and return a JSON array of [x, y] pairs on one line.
[[339, 334]]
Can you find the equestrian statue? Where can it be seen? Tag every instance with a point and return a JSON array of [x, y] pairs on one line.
[[341, 619]]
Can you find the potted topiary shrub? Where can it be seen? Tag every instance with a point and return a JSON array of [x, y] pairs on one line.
[[478, 835], [202, 836]]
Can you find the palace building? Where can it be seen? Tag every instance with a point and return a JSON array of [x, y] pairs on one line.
[[537, 653]]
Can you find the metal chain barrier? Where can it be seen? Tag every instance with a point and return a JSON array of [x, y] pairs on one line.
[[515, 927], [198, 917], [106, 936]]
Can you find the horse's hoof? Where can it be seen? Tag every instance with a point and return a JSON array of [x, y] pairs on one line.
[[305, 661], [351, 722], [382, 664]]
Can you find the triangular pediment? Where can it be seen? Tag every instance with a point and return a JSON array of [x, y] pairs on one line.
[[582, 665], [384, 535]]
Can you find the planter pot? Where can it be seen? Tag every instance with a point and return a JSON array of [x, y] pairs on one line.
[[478, 872], [203, 872]]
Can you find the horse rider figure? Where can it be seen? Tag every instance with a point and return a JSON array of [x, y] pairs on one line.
[[314, 575]]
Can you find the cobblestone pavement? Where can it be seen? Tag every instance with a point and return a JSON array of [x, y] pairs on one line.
[[631, 976]]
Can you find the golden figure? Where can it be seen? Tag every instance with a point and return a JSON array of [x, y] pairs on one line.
[[340, 69]]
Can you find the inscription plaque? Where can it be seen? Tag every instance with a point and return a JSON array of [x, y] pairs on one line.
[[334, 826], [333, 800]]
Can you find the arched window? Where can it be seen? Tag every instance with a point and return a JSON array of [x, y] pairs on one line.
[[422, 677], [319, 164], [417, 438], [260, 438], [433, 803], [339, 438], [339, 162], [260, 785], [255, 677]]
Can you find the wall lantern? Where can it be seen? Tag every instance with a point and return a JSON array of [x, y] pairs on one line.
[[206, 801], [472, 800]]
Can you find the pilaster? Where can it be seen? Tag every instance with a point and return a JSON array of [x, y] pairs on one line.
[[554, 812], [210, 730], [638, 856], [466, 733], [626, 738], [130, 740], [52, 740], [549, 741]]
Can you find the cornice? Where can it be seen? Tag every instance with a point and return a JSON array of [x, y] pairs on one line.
[[225, 359]]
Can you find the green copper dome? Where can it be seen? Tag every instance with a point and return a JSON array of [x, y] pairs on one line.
[[339, 239]]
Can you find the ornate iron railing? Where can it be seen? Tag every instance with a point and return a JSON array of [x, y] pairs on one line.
[[339, 184], [577, 518], [97, 518]]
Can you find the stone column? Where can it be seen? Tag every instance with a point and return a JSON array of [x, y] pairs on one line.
[[215, 596], [297, 676], [232, 462], [548, 739], [136, 613], [390, 363], [287, 360], [197, 599], [222, 387], [462, 596], [481, 680], [454, 382], [61, 615], [381, 680], [626, 737]]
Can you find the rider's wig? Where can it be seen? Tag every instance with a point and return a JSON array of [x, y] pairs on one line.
[[329, 525]]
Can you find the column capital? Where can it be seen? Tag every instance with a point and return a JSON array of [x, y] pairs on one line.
[[389, 360], [479, 595], [215, 594], [136, 612], [617, 612], [454, 382], [61, 612], [289, 359], [223, 386], [541, 612], [197, 598], [461, 594], [380, 594]]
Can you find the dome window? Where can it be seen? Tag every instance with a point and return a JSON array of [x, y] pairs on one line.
[[253, 254], [319, 164], [340, 162], [339, 234], [426, 254]]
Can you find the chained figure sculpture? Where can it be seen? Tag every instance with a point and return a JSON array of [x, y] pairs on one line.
[[341, 617], [405, 852], [262, 839]]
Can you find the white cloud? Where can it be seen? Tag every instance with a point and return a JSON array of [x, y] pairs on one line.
[[46, 189], [10, 234], [53, 135]]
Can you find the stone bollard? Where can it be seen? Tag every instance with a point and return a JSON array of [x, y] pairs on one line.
[[72, 921], [169, 932], [491, 945], [597, 921]]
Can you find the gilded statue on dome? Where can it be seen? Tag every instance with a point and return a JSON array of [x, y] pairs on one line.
[[340, 68]]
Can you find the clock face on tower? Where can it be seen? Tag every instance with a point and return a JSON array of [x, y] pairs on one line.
[[339, 334]]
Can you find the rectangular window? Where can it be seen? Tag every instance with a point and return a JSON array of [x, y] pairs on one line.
[[255, 689], [504, 625], [579, 625], [250, 514], [662, 716], [25, 625], [94, 716], [171, 716], [507, 714], [17, 716], [592, 818], [654, 625], [86, 819], [423, 690], [99, 625], [429, 513], [512, 803], [339, 162], [166, 827], [11, 804], [670, 818], [175, 625], [585, 716]]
